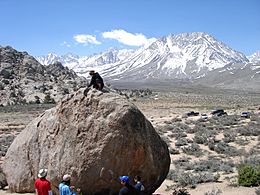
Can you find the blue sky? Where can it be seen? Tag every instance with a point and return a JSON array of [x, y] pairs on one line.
[[85, 27]]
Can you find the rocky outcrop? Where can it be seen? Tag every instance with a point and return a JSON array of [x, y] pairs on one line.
[[24, 80], [95, 138]]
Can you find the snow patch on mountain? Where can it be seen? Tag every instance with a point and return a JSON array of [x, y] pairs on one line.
[[255, 57], [186, 55]]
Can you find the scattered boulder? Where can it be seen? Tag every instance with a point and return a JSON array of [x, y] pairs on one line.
[[95, 138]]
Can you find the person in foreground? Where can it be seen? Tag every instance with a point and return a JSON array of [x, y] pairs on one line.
[[96, 80], [64, 186], [127, 188], [139, 186], [42, 185]]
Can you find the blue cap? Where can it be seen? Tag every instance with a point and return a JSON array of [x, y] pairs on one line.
[[124, 178]]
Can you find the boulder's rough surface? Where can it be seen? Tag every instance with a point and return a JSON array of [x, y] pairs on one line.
[[3, 182], [93, 138]]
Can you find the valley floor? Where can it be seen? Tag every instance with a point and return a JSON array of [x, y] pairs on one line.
[[166, 111]]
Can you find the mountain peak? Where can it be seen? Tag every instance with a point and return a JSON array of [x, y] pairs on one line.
[[185, 55], [255, 57]]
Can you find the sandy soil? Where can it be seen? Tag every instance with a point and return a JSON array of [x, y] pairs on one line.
[[203, 188]]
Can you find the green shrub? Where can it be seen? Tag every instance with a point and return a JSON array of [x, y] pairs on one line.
[[248, 175], [48, 100]]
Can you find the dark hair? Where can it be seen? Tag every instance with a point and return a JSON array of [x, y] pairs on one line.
[[91, 72], [67, 182], [137, 177]]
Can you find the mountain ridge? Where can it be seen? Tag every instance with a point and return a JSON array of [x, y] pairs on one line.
[[186, 55], [24, 80]]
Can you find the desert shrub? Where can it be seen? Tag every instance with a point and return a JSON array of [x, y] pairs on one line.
[[169, 127], [173, 151], [227, 168], [250, 130], [224, 148], [166, 139], [252, 160], [180, 191], [6, 82], [48, 99], [193, 149], [213, 192], [213, 165], [172, 175], [189, 179], [242, 141], [179, 134], [255, 118], [167, 122], [2, 87], [12, 94], [211, 144], [202, 137], [191, 130], [43, 88], [200, 127], [184, 127], [186, 179], [254, 151], [174, 120], [20, 93], [181, 142], [182, 163], [229, 120], [229, 136], [161, 129], [257, 191], [248, 175]]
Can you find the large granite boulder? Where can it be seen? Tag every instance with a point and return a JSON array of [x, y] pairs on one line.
[[95, 138]]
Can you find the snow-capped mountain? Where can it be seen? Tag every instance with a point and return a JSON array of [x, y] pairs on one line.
[[85, 63], [51, 58], [183, 56], [255, 57]]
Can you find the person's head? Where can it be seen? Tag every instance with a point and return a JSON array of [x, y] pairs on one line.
[[42, 173], [91, 73], [137, 178], [124, 179], [66, 179]]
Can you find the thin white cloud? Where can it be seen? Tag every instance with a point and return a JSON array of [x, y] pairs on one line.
[[85, 39], [127, 38], [65, 44]]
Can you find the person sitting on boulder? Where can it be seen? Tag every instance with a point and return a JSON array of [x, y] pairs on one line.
[[96, 80], [64, 186], [127, 188], [42, 185], [139, 186]]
